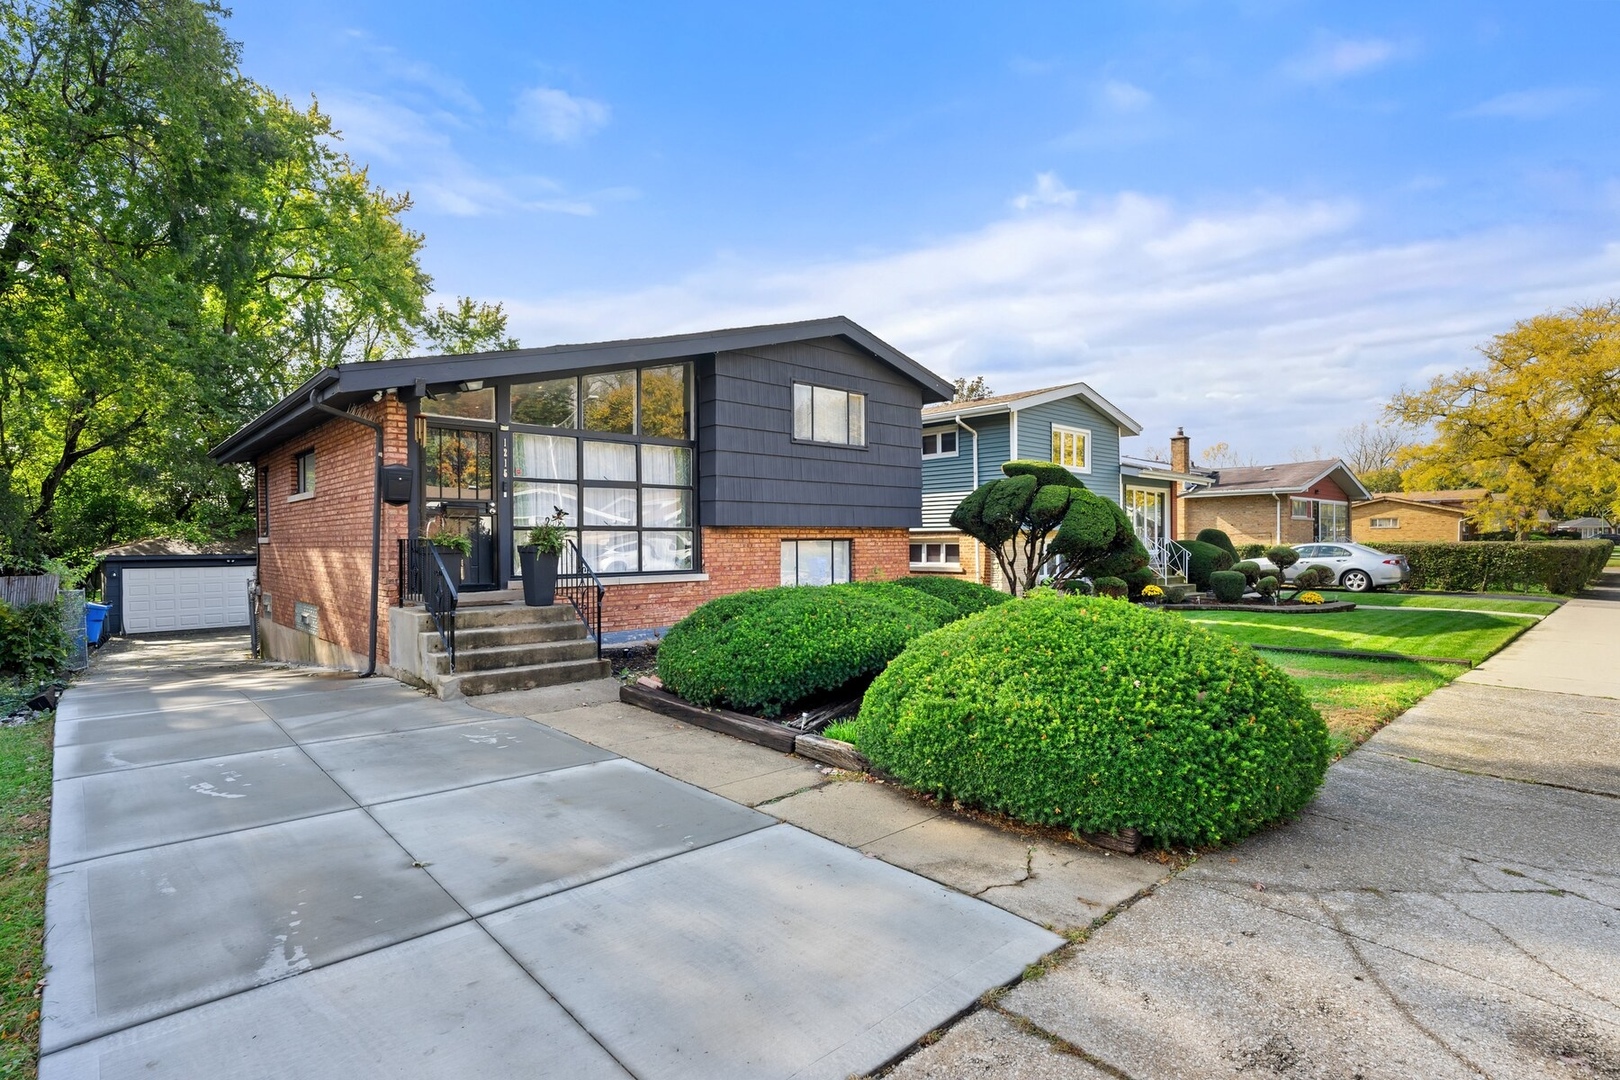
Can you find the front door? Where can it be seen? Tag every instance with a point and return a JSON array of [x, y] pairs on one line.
[[459, 496]]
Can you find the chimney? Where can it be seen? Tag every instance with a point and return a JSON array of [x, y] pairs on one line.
[[1180, 452]]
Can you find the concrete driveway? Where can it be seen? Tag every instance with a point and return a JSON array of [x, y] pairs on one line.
[[259, 872]]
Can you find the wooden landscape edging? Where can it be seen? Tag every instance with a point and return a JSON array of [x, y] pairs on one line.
[[1361, 654], [1270, 609]]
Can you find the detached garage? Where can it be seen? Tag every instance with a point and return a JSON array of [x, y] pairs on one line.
[[156, 586]]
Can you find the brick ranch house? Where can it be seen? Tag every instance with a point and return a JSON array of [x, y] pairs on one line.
[[1417, 515], [1294, 503], [688, 466]]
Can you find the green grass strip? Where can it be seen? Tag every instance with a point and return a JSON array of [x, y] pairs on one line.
[[1444, 602], [25, 807], [1460, 635]]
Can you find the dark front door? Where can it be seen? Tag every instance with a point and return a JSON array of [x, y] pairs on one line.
[[459, 495]]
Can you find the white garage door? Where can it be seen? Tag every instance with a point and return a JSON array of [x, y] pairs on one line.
[[185, 598]]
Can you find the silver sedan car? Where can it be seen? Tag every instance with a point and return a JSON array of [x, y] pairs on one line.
[[1356, 567]]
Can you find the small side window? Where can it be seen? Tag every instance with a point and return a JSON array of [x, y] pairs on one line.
[[303, 475]]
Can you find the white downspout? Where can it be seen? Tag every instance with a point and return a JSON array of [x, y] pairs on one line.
[[1274, 495], [978, 549]]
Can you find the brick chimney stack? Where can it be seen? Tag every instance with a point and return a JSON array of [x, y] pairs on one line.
[[1180, 452]]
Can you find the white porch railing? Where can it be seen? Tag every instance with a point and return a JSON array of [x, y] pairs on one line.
[[1167, 558]]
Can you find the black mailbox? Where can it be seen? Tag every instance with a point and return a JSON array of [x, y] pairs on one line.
[[398, 481]]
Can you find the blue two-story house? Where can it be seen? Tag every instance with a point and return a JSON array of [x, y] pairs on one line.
[[965, 443]]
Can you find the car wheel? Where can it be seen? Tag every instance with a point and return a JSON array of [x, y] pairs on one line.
[[1356, 580]]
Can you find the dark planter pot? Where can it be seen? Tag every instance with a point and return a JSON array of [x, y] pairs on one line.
[[453, 561], [539, 576]]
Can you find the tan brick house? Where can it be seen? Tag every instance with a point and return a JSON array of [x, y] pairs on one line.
[[1294, 503], [687, 467], [1416, 515]]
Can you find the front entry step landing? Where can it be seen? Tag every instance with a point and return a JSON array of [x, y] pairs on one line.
[[500, 645]]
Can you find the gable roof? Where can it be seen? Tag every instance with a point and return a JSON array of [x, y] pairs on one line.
[[1401, 499], [348, 383], [1286, 479], [1454, 495], [1026, 399]]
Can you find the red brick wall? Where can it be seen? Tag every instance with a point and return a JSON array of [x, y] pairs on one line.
[[748, 558], [319, 550]]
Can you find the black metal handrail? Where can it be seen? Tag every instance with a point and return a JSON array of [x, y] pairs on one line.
[[424, 579], [578, 584]]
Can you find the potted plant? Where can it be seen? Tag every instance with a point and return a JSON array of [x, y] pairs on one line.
[[453, 551], [538, 559]]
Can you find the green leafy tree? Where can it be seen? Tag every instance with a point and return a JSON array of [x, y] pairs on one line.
[[1539, 423], [1039, 521], [468, 327], [178, 249]]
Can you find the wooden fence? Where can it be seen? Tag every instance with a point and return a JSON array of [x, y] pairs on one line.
[[32, 589]]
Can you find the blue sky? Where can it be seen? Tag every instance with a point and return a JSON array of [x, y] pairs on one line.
[[1256, 220]]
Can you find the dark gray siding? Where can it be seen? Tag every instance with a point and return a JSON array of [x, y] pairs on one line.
[[752, 472]]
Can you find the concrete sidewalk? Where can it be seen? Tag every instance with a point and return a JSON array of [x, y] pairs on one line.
[[259, 872], [1447, 907]]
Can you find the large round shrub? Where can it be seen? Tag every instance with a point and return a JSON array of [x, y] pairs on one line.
[[1218, 538], [1228, 586], [1203, 560], [1097, 716], [967, 597], [763, 650]]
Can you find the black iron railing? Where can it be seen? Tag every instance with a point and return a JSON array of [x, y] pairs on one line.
[[424, 579], [578, 584]]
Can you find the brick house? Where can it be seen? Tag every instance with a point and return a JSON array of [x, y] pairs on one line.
[[1416, 515], [688, 467], [1294, 503]]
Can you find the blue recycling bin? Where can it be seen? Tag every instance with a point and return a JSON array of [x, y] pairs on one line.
[[95, 615]]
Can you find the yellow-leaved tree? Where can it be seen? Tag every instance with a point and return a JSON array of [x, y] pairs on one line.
[[1539, 423]]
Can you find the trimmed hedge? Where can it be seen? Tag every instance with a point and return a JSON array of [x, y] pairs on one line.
[[1219, 539], [1251, 551], [1203, 560], [1228, 585], [1113, 587], [1097, 716], [1563, 567], [1249, 569], [766, 649], [966, 597]]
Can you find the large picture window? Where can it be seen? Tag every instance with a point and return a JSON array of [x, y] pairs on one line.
[[824, 415], [628, 502], [1146, 509], [815, 562]]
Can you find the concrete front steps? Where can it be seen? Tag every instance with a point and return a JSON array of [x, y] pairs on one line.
[[500, 645]]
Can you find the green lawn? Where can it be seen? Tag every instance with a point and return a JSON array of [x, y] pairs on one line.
[[25, 804], [1357, 697], [1434, 600], [1459, 635]]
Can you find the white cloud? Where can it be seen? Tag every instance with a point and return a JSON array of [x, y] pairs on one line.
[[1125, 97], [1532, 104], [420, 152], [557, 116], [1048, 191], [1266, 325], [1334, 58]]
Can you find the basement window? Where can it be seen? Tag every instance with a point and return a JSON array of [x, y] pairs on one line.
[[936, 556], [1385, 523], [306, 617], [815, 562]]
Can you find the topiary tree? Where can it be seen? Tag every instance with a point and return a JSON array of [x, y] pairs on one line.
[[1267, 586], [1249, 569], [1040, 511], [1096, 716], [1141, 579], [1313, 577], [1282, 557], [1219, 539], [1203, 560], [1228, 586]]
